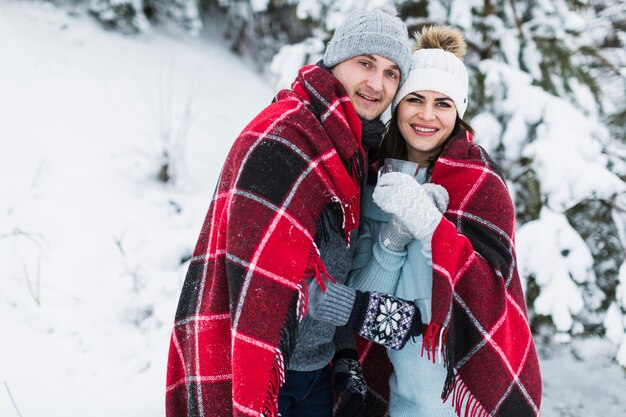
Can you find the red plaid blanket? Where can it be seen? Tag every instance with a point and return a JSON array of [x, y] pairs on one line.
[[243, 295], [478, 309]]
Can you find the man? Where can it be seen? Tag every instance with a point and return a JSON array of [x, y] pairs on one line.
[[286, 203]]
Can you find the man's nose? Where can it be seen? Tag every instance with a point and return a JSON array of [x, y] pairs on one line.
[[375, 82]]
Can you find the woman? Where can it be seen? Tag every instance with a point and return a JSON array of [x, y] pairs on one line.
[[458, 268]]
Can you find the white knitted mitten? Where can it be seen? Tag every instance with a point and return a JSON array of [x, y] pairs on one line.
[[401, 195], [438, 194]]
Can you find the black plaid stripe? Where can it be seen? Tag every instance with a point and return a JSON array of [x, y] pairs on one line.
[[276, 165], [467, 337], [515, 404], [193, 407], [188, 303], [236, 274]]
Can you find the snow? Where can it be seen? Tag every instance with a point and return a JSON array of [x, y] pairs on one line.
[[581, 380], [615, 321], [550, 250], [489, 130], [259, 5], [93, 247], [286, 63], [614, 324], [461, 14], [568, 143], [90, 243], [510, 46], [309, 8], [437, 11]]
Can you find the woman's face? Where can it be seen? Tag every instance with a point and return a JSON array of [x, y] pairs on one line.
[[425, 119]]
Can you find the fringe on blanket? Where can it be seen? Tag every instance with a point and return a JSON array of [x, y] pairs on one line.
[[464, 403], [277, 379], [438, 344], [316, 269]]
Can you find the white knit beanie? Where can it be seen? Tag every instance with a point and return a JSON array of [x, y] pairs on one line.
[[371, 32], [439, 71]]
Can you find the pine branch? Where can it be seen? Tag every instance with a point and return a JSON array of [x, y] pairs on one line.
[[594, 52], [518, 23]]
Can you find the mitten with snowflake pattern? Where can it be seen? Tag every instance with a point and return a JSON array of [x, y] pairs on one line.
[[385, 319]]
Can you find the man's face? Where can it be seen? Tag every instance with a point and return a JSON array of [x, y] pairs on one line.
[[371, 82]]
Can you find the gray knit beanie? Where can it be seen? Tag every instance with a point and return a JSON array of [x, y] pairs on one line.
[[373, 32]]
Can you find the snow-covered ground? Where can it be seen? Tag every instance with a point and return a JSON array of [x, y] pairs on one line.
[[92, 245]]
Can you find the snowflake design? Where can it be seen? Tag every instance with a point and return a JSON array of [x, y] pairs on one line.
[[389, 316], [388, 320]]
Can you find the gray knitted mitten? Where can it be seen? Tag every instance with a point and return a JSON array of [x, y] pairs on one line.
[[399, 194], [395, 236]]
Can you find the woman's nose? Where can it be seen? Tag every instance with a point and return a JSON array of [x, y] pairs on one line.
[[427, 112]]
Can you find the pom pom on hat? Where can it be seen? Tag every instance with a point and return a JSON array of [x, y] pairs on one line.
[[442, 37], [437, 66]]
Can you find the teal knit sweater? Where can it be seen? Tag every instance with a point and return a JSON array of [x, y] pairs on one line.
[[416, 383]]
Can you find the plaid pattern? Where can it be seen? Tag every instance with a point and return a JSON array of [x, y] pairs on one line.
[[243, 295], [478, 309]]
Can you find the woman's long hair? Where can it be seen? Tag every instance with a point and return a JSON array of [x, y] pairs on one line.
[[394, 146]]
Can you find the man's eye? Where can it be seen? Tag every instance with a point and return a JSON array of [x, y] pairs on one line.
[[392, 74], [365, 64]]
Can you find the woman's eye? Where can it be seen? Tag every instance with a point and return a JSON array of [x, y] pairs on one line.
[[443, 104]]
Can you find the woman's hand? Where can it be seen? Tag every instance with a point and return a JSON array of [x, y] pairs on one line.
[[401, 195]]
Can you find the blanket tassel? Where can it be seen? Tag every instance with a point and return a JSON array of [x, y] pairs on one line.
[[316, 268], [277, 379], [303, 300], [464, 403]]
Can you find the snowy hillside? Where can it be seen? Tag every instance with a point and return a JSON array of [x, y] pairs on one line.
[[92, 245]]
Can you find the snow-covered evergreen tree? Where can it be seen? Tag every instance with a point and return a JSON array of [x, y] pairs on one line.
[[134, 16], [126, 16]]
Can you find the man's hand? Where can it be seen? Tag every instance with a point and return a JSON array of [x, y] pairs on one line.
[[349, 384]]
